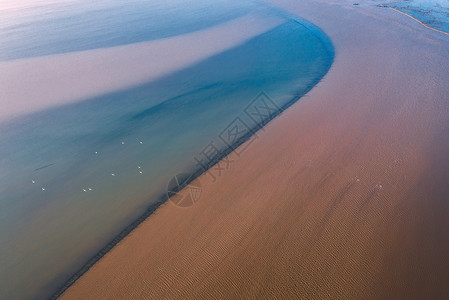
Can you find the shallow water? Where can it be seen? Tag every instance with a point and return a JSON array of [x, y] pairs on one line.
[[45, 27], [73, 177], [434, 13]]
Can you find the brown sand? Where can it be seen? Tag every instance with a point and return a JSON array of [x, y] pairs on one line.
[[346, 195]]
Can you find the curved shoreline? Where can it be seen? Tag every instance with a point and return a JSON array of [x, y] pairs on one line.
[[195, 175], [351, 206], [163, 199]]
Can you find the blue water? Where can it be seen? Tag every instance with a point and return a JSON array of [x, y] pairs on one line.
[[434, 13], [59, 27], [60, 203]]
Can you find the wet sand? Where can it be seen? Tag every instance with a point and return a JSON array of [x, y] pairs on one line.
[[345, 195]]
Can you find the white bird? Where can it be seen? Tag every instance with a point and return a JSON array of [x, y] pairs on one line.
[[33, 182], [140, 172], [43, 189], [96, 152], [138, 167], [141, 143], [84, 190], [89, 189], [112, 174], [123, 143]]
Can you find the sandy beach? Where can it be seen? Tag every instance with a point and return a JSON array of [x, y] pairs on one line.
[[345, 195]]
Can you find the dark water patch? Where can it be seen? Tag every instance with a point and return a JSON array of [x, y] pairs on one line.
[[43, 167]]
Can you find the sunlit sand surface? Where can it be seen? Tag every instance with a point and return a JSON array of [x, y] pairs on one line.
[[344, 196]]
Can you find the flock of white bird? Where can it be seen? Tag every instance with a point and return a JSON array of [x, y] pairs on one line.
[[88, 189]]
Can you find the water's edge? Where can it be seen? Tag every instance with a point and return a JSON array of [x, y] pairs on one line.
[[163, 197], [197, 173]]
